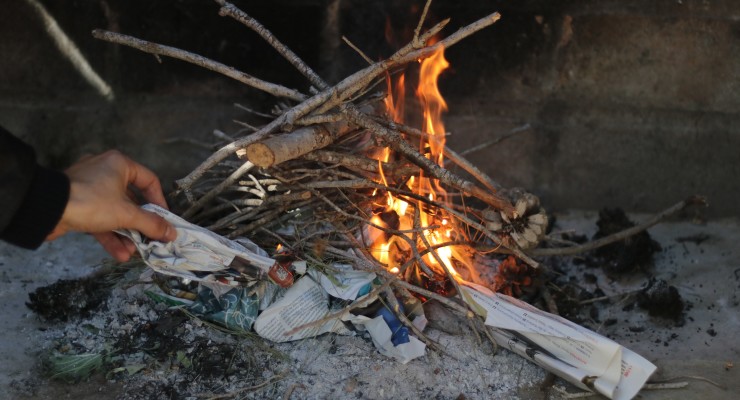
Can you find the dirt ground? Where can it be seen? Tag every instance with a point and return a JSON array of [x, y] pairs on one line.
[[701, 260]]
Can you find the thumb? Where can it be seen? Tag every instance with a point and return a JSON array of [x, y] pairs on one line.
[[152, 225]]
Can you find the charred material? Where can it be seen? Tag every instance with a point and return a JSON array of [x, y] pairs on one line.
[[661, 300], [633, 253], [68, 299]]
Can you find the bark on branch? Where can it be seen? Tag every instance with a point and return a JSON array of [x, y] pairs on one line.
[[281, 148], [233, 73], [331, 97]]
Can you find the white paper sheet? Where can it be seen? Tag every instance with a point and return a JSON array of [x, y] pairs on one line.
[[583, 357]]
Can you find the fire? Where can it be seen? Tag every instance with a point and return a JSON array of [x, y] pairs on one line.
[[434, 103], [394, 251]]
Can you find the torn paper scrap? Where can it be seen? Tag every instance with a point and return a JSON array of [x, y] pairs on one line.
[[382, 339], [305, 302], [346, 283], [581, 356], [236, 309]]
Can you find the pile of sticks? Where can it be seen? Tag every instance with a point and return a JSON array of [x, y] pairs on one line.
[[306, 179]]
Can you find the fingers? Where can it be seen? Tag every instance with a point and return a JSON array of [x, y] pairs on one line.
[[85, 157], [151, 225], [118, 247], [147, 182]]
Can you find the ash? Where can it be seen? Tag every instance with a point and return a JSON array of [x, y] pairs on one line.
[[151, 349], [154, 352]]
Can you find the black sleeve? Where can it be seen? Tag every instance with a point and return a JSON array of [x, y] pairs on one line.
[[32, 198]]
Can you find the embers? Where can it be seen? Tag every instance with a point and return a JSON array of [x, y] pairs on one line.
[[513, 277]]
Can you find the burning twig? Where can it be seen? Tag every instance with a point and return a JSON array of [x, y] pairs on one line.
[[332, 97], [349, 184], [397, 143], [452, 157]]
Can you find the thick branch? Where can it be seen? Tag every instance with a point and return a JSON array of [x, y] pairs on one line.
[[281, 148]]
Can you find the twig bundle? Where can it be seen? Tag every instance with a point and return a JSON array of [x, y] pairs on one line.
[[307, 179]]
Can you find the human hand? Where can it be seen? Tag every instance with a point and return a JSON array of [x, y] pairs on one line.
[[100, 201]]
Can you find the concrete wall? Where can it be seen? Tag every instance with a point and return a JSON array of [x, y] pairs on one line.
[[630, 103]]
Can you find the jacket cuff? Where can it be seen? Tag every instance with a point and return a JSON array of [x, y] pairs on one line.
[[41, 209]]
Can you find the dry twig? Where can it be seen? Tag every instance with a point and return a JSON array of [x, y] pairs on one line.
[[668, 212]]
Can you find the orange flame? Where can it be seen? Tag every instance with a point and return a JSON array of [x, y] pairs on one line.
[[432, 144], [433, 102]]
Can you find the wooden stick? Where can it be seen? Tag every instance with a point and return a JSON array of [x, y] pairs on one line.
[[357, 50], [442, 265], [162, 50], [421, 20], [218, 189], [281, 200], [272, 216], [499, 139], [331, 97], [420, 234], [254, 112], [474, 171], [361, 163], [397, 143], [278, 149], [569, 251], [451, 304], [228, 9], [320, 119], [452, 156]]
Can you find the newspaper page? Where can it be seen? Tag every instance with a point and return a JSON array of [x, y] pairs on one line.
[[305, 302], [584, 358], [196, 249]]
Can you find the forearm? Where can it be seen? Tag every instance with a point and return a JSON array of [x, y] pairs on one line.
[[32, 198]]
